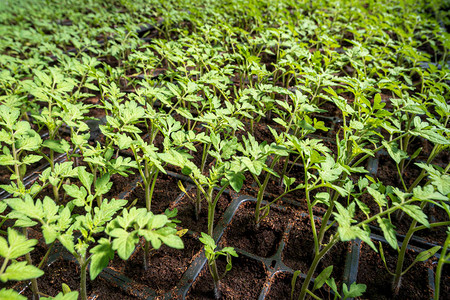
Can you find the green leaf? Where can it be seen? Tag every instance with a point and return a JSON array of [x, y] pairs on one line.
[[329, 171], [101, 255], [66, 289], [230, 251], [31, 159], [66, 240], [153, 238], [107, 210], [379, 198], [158, 221], [62, 296], [356, 290], [424, 255], [102, 185], [416, 213], [57, 146], [442, 183], [85, 178], [18, 245], [322, 277], [428, 193], [388, 231], [173, 241], [332, 284], [20, 271], [236, 180], [356, 125], [294, 281], [347, 232], [207, 240], [8, 160], [433, 136], [288, 181], [396, 154], [91, 86], [364, 208], [186, 170], [49, 233], [75, 191], [10, 295], [124, 242], [44, 78], [124, 141]]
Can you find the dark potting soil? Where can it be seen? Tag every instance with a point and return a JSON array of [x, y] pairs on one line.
[[445, 283], [275, 189], [165, 268], [244, 281], [387, 172], [402, 221], [166, 191], [372, 272], [332, 109], [120, 184], [186, 211], [37, 254], [261, 131], [299, 250], [281, 287], [263, 241], [68, 272]]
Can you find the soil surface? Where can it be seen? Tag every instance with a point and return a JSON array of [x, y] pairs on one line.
[[298, 252], [165, 268], [281, 287], [263, 241], [244, 281], [186, 211], [371, 271], [166, 191], [68, 272]]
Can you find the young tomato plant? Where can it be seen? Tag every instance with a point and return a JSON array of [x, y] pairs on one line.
[[211, 255], [255, 157], [125, 231], [322, 171], [428, 194], [57, 222], [443, 259], [227, 171], [16, 246], [19, 138]]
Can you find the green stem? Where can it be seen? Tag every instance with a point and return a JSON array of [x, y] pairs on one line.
[[318, 256], [283, 172], [52, 166], [375, 150], [211, 211], [16, 166], [260, 196], [83, 288], [34, 284], [400, 172], [198, 204], [312, 295], [311, 217], [401, 255], [441, 261], [216, 278], [44, 259], [146, 254], [5, 263], [149, 197]]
